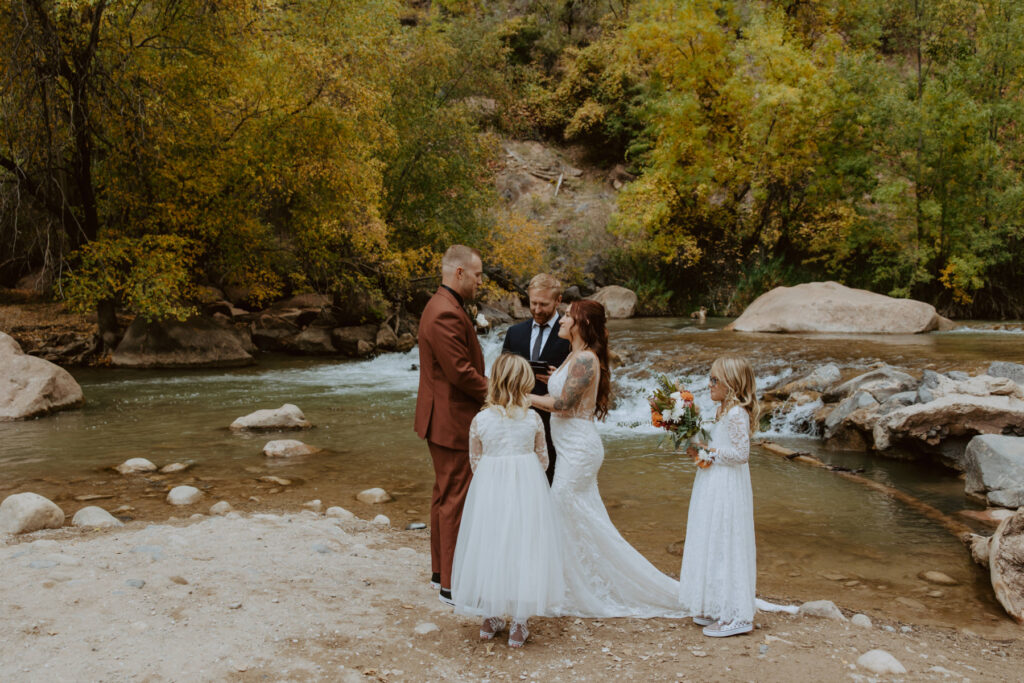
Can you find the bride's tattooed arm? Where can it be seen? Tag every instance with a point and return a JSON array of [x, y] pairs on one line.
[[581, 375]]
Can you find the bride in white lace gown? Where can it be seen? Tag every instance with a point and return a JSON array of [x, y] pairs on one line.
[[604, 575]]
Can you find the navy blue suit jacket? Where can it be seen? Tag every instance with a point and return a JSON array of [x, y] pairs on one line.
[[554, 352]]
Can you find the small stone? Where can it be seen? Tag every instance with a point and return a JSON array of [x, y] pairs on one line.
[[861, 621], [175, 467], [135, 466], [938, 578], [339, 513], [287, 448], [835, 577], [271, 479], [221, 507], [383, 520], [122, 509], [23, 513], [935, 594], [93, 496], [313, 505], [851, 584], [373, 496], [425, 627], [181, 581], [135, 583], [880, 662], [287, 416], [906, 629], [911, 603], [415, 526], [235, 605], [93, 517], [825, 609], [184, 495]]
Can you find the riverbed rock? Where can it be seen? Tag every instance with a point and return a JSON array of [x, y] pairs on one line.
[[382, 520], [826, 609], [980, 547], [32, 387], [374, 496], [23, 513], [880, 662], [1006, 565], [196, 342], [387, 340], [313, 341], [356, 341], [818, 381], [618, 302], [94, 517], [406, 342], [136, 466], [220, 508], [287, 416], [938, 578], [313, 505], [184, 495], [861, 621], [175, 467], [287, 448], [861, 400], [1014, 371], [834, 308], [881, 382], [994, 465], [336, 512]]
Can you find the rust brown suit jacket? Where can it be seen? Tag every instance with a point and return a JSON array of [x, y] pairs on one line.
[[452, 383]]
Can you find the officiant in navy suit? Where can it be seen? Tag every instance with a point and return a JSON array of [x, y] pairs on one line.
[[537, 341]]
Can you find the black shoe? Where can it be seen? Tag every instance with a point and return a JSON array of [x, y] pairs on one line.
[[445, 596], [435, 580]]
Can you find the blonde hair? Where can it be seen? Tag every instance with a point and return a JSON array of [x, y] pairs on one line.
[[511, 382], [546, 282], [740, 386], [458, 256]]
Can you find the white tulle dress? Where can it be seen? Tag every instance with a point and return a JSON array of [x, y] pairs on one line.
[[508, 561], [604, 575], [719, 568]]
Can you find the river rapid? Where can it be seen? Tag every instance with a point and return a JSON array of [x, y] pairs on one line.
[[819, 536]]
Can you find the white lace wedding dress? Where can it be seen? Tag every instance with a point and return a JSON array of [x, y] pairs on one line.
[[604, 575], [719, 561]]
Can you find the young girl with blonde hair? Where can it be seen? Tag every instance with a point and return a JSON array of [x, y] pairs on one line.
[[719, 571], [507, 557]]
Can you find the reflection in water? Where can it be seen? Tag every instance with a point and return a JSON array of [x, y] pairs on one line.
[[819, 536]]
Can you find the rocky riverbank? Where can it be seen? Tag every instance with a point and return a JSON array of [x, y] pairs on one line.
[[307, 597]]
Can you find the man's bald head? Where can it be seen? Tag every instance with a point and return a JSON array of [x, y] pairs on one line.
[[462, 270]]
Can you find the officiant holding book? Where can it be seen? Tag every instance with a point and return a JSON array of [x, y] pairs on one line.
[[537, 341]]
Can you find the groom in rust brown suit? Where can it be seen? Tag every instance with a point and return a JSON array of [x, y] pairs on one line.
[[452, 390]]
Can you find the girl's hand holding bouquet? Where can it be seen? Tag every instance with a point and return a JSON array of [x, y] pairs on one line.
[[674, 410]]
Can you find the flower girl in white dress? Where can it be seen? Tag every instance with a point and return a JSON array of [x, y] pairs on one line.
[[507, 557], [716, 584]]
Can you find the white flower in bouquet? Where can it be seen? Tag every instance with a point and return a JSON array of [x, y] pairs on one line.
[[482, 321]]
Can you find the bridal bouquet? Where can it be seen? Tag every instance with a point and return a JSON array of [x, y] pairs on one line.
[[674, 410]]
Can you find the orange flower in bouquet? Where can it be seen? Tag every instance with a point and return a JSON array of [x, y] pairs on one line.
[[674, 410]]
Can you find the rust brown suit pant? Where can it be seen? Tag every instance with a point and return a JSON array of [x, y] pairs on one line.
[[452, 475]]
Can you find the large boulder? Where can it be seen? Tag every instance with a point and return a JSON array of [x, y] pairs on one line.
[[1006, 565], [23, 513], [832, 307], [882, 383], [994, 465], [197, 342], [1014, 371], [287, 416], [313, 340], [357, 341], [819, 380], [31, 386], [618, 302]]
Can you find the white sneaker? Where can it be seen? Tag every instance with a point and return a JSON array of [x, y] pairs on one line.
[[733, 628], [703, 621]]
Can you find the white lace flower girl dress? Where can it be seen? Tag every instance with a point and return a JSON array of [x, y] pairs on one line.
[[507, 556], [719, 568]]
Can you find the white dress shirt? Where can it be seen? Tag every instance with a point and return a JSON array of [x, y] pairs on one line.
[[535, 330]]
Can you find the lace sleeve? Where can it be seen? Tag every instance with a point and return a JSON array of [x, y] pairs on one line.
[[476, 447], [540, 443], [737, 430]]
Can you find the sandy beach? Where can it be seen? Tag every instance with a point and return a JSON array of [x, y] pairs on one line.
[[303, 597]]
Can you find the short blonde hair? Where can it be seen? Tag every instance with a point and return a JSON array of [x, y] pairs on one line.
[[458, 256], [546, 282], [510, 384], [740, 386]]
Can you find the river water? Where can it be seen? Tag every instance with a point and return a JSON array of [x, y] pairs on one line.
[[819, 536]]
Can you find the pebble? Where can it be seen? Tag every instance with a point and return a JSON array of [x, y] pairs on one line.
[[314, 505], [235, 605], [382, 520], [135, 583], [184, 495], [415, 526], [373, 496], [287, 448], [938, 578], [181, 581], [175, 467], [339, 513], [861, 620], [911, 603], [271, 479], [135, 465], [880, 662], [423, 628], [221, 507]]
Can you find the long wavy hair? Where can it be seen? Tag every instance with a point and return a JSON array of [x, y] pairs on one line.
[[740, 386], [589, 322]]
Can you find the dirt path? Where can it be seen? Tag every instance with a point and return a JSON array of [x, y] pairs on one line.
[[303, 597]]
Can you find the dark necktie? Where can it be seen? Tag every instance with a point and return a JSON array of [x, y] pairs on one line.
[[535, 355]]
